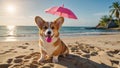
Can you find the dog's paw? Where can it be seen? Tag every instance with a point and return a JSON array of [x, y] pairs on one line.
[[40, 60], [55, 59]]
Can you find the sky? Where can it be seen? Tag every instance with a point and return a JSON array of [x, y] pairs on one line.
[[23, 12]]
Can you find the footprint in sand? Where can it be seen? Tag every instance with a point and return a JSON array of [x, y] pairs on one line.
[[31, 49], [5, 52], [26, 43], [21, 56], [116, 51], [23, 47], [29, 61], [18, 60], [9, 60], [9, 50]]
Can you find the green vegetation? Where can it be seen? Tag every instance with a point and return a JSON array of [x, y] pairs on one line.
[[115, 9], [104, 21], [114, 13]]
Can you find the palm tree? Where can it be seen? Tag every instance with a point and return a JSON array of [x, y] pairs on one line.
[[105, 18], [104, 21], [115, 10]]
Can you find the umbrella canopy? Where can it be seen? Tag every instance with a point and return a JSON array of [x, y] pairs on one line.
[[61, 11]]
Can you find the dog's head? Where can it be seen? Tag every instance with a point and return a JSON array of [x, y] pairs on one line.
[[49, 30]]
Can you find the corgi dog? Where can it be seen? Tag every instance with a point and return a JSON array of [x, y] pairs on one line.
[[50, 43]]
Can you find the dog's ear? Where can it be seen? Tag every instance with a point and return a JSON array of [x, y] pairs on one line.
[[59, 21], [39, 21]]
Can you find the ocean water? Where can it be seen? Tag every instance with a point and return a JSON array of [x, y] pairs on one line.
[[20, 33]]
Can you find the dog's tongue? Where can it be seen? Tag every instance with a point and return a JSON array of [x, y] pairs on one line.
[[48, 39]]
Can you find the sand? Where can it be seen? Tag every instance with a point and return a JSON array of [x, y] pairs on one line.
[[85, 52]]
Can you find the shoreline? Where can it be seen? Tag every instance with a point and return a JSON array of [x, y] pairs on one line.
[[36, 37]]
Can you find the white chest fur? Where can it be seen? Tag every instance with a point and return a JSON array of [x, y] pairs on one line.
[[49, 48]]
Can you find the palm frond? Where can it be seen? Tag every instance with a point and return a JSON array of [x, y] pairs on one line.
[[112, 12]]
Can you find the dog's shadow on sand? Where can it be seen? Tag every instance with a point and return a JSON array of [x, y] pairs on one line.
[[74, 61], [70, 61]]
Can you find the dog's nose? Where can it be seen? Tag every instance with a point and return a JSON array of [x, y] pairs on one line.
[[49, 32]]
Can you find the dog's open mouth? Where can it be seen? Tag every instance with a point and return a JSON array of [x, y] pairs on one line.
[[49, 38]]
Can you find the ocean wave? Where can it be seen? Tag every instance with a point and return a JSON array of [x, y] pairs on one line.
[[89, 33], [64, 34], [20, 35]]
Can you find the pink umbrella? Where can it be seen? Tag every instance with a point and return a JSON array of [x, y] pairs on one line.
[[61, 11]]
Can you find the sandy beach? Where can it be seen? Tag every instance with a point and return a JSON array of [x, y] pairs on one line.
[[101, 51]]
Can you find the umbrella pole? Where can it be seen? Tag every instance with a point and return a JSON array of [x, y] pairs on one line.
[[60, 14]]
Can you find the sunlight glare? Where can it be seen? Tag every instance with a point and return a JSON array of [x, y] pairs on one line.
[[10, 9], [10, 27], [11, 30]]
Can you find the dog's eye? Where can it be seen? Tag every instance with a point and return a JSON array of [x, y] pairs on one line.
[[52, 27], [45, 27]]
